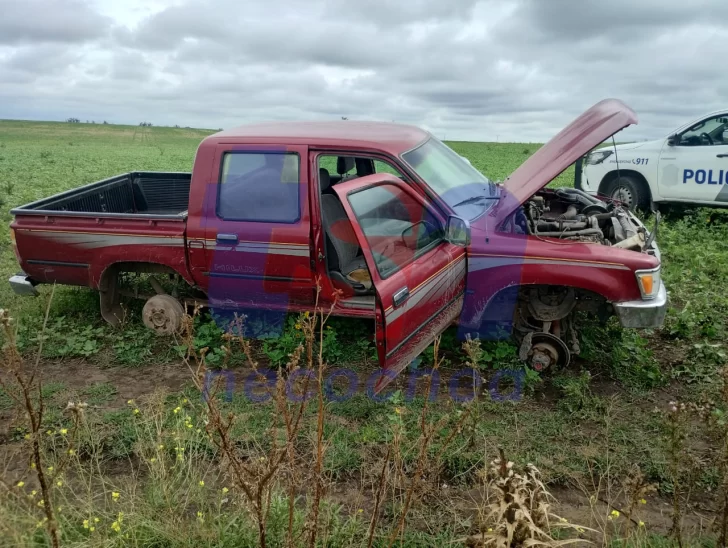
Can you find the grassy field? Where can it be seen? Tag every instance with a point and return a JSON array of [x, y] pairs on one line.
[[591, 430]]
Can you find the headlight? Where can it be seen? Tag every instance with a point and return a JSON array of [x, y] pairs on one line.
[[649, 282], [597, 157]]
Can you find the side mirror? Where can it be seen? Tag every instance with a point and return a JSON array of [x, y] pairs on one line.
[[673, 140], [457, 231]]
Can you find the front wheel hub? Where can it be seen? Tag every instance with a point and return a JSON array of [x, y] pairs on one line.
[[546, 351]]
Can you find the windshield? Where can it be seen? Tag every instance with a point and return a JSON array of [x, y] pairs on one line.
[[451, 176]]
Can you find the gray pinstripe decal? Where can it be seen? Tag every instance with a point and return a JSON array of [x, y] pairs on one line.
[[431, 290], [94, 241], [484, 263]]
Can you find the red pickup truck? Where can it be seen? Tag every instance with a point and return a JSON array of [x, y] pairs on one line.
[[388, 221]]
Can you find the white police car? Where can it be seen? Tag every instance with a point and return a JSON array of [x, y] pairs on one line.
[[690, 165]]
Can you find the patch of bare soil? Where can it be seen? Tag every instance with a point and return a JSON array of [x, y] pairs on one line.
[[130, 383]]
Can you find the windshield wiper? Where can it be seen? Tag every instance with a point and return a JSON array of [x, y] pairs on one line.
[[475, 199]]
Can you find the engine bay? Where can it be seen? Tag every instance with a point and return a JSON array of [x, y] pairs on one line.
[[572, 214]]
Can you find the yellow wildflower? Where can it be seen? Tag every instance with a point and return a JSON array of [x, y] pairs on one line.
[[398, 410], [21, 483], [64, 431], [202, 483], [184, 401], [96, 520], [59, 483], [115, 496], [564, 520], [615, 513], [643, 501], [71, 452], [176, 410], [92, 528], [225, 490], [642, 523], [130, 402], [32, 465], [41, 503], [153, 459], [360, 510], [27, 436], [490, 529], [116, 527], [85, 524], [200, 517], [50, 469], [136, 411], [33, 493], [160, 446]]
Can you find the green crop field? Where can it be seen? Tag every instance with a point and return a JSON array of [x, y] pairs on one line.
[[592, 430]]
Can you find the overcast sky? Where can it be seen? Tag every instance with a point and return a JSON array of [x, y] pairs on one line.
[[515, 70]]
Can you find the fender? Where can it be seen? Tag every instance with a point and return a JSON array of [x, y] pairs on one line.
[[489, 278]]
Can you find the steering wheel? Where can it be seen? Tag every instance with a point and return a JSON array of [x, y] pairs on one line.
[[708, 137]]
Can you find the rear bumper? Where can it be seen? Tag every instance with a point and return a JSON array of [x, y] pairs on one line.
[[22, 285], [643, 314]]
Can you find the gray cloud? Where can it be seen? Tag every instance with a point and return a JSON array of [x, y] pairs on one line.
[[516, 70], [33, 21]]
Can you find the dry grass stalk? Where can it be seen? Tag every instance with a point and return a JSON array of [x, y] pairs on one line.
[[257, 477], [23, 384], [636, 491], [520, 514]]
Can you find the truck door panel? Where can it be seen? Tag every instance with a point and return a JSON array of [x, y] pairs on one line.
[[419, 278], [696, 166], [258, 229]]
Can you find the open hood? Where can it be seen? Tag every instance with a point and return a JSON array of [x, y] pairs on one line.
[[583, 134]]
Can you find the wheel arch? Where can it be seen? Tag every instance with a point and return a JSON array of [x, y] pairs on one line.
[[108, 284], [514, 292]]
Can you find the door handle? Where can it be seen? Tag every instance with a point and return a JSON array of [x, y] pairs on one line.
[[227, 239], [400, 297], [721, 156]]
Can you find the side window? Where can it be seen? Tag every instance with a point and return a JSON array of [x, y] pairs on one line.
[[344, 168], [259, 186], [707, 132], [385, 167], [397, 227]]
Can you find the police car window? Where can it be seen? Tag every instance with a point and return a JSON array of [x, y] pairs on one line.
[[706, 133]]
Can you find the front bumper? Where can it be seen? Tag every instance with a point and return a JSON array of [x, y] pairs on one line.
[[22, 285], [643, 313]]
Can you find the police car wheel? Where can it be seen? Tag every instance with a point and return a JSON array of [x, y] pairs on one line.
[[628, 191]]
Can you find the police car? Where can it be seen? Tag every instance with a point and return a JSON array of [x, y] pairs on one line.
[[690, 165]]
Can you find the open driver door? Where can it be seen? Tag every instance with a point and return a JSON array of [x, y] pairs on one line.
[[417, 262]]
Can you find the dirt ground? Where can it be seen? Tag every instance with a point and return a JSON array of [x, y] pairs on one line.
[[573, 503]]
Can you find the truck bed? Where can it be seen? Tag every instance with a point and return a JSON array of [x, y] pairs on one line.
[[143, 193]]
